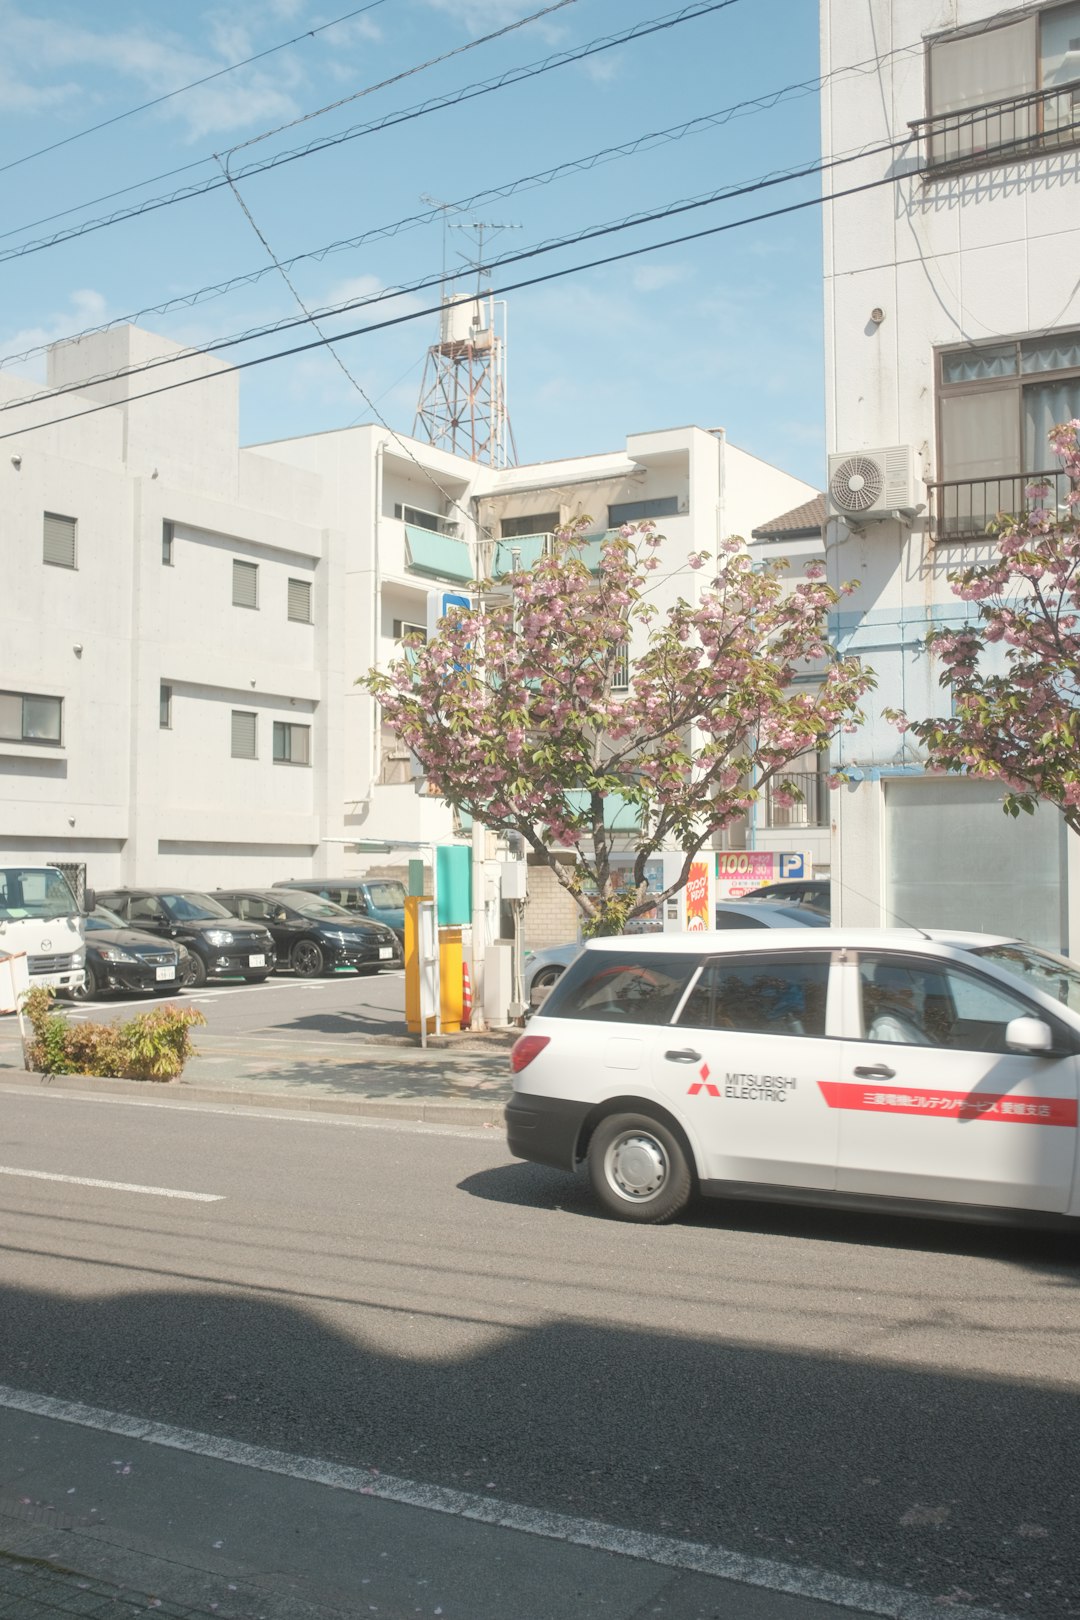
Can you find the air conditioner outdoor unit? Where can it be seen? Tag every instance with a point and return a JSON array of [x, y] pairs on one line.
[[868, 486]]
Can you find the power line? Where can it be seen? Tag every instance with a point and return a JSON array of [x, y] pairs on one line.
[[208, 78], [513, 76], [264, 135], [313, 319], [587, 233], [495, 292], [543, 177]]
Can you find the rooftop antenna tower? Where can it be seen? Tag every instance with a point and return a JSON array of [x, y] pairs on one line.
[[462, 405]]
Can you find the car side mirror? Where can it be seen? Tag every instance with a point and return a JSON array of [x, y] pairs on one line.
[[89, 901], [1029, 1035], [279, 916]]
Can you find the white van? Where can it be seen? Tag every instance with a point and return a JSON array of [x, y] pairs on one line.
[[934, 1073], [41, 917]]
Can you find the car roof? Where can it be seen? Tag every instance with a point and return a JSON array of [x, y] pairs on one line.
[[781, 915], [718, 941], [161, 888], [339, 882]]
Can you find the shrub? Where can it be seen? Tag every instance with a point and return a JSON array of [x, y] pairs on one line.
[[154, 1045]]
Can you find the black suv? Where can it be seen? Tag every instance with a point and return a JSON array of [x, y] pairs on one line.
[[314, 935], [220, 947]]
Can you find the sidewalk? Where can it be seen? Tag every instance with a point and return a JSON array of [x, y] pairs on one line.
[[186, 1535], [464, 1084]]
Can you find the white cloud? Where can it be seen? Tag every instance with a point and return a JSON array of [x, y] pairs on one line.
[[601, 69], [653, 277], [86, 307], [38, 52]]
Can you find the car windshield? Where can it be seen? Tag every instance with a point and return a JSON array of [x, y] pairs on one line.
[[1053, 975], [34, 891], [388, 896], [192, 907], [102, 917], [319, 910]]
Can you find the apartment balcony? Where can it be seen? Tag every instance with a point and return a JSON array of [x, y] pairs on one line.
[[1000, 131], [963, 508], [811, 811]]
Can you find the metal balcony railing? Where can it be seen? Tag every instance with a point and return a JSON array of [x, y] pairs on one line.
[[962, 508], [972, 137], [811, 811]]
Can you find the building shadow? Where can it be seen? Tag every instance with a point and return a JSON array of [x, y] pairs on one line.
[[855, 1463]]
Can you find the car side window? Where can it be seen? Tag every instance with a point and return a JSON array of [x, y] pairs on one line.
[[616, 987], [761, 995], [146, 909], [253, 910], [908, 1002]]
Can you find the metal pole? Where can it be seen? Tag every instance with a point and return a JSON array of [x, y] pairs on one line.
[[479, 923], [435, 924]]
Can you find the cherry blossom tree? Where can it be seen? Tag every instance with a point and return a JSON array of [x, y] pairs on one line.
[[1013, 673], [516, 716]]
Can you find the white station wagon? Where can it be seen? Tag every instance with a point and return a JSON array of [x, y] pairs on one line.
[[929, 1072]]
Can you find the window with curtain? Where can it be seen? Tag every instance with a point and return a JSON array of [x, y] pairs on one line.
[[1016, 79], [996, 405], [998, 402]]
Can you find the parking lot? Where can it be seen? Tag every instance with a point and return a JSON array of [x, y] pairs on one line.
[[310, 1014]]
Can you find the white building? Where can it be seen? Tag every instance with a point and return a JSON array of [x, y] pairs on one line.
[[184, 620], [952, 322]]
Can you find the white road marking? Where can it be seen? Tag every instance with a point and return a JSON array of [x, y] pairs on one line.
[[465, 1133], [872, 1597], [112, 1186]]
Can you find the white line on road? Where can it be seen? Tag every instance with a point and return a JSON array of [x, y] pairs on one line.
[[113, 1186], [870, 1597]]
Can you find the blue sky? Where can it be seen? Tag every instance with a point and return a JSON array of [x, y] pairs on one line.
[[722, 332]]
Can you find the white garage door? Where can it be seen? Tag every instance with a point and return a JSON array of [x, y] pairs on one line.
[[955, 860]]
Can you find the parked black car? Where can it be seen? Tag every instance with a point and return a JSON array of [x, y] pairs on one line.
[[814, 893], [122, 958], [312, 935], [220, 946]]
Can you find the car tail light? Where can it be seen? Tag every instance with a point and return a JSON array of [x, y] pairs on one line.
[[525, 1048]]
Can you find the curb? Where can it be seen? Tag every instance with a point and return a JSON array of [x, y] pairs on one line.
[[418, 1110]]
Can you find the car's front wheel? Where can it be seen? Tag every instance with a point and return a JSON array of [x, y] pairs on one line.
[[196, 974], [639, 1169], [91, 986], [308, 960]]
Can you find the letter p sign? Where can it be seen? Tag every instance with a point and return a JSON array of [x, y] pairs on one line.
[[792, 866]]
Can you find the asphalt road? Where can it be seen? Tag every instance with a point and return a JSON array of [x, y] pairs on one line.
[[879, 1399]]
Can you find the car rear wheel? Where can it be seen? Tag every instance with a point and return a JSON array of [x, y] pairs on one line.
[[308, 960], [547, 977], [639, 1169]]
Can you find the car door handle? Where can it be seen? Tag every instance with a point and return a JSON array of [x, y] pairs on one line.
[[875, 1071], [684, 1055]]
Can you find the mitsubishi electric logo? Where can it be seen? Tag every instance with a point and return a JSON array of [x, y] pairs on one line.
[[704, 1084]]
